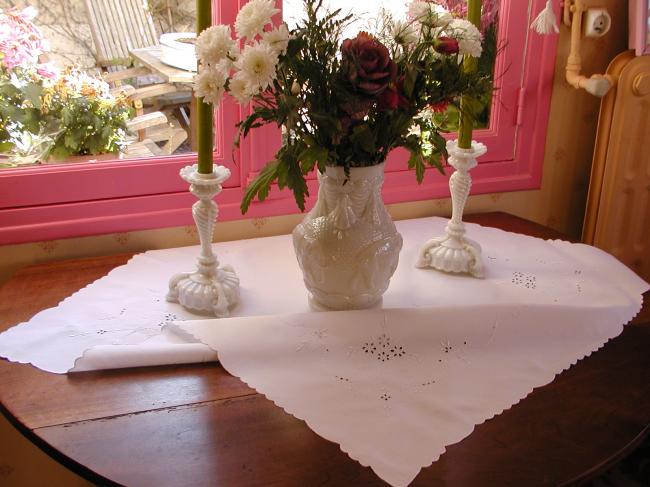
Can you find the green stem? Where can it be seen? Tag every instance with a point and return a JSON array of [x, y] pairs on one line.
[[204, 110], [470, 65]]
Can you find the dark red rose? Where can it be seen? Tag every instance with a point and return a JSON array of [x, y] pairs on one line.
[[446, 45], [392, 97], [366, 64]]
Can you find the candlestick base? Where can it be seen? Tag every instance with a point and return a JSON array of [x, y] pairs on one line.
[[211, 289], [454, 252]]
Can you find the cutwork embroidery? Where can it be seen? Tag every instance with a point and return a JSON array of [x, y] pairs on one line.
[[383, 349], [526, 280]]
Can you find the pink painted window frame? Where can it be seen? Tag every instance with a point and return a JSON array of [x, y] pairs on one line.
[[639, 27], [73, 200]]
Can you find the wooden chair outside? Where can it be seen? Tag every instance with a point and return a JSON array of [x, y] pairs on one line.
[[117, 27]]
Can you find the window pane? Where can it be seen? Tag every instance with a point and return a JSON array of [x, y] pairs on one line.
[[112, 81], [367, 11]]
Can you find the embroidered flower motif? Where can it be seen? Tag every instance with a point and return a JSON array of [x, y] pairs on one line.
[[383, 349]]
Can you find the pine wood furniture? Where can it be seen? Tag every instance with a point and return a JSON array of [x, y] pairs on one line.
[[117, 27], [149, 58], [197, 425], [617, 217]]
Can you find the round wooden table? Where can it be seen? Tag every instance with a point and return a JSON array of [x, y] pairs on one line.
[[197, 425]]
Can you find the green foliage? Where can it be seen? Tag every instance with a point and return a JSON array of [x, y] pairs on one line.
[[72, 115], [261, 185]]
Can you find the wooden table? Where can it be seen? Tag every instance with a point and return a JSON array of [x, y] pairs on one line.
[[149, 57], [197, 425]]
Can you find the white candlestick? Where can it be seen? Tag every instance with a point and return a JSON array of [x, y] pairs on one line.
[[210, 289], [454, 252]]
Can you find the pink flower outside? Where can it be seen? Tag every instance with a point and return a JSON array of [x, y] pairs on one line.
[[21, 42], [458, 8], [47, 70]]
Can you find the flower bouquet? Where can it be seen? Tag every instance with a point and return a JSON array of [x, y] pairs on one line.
[[342, 102], [344, 105]]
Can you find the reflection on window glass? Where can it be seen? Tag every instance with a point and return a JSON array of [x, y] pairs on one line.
[[365, 10], [111, 81], [368, 11]]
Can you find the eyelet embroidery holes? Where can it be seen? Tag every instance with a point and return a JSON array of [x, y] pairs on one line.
[[167, 318], [383, 349], [344, 381], [449, 351], [578, 274], [385, 397], [526, 280]]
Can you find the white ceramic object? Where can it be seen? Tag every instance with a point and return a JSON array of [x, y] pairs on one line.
[[347, 246], [210, 289], [178, 54], [454, 252]]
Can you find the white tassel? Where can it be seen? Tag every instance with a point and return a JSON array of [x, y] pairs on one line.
[[546, 22]]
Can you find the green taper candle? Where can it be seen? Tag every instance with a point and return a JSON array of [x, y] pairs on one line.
[[470, 64], [204, 110]]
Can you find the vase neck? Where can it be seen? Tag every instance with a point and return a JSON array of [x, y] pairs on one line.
[[356, 173]]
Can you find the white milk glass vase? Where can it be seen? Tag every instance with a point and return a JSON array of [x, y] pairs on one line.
[[347, 246]]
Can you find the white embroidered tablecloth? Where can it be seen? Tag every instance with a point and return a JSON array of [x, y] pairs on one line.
[[117, 321], [392, 386]]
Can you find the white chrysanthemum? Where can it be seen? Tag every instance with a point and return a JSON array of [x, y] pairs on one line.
[[209, 84], [443, 16], [404, 33], [277, 39], [240, 88], [214, 44], [468, 36], [228, 63], [418, 9], [429, 13], [253, 16], [257, 64]]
